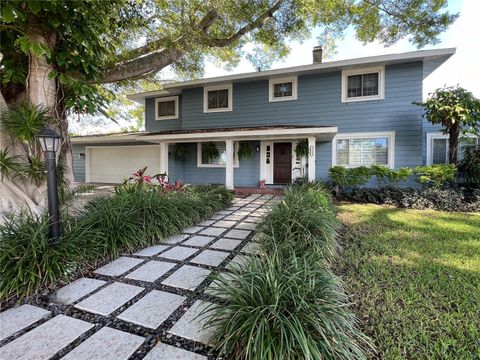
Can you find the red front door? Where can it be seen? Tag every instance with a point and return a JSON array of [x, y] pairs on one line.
[[282, 163]]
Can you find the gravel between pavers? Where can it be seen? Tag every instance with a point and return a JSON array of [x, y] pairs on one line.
[[241, 209]]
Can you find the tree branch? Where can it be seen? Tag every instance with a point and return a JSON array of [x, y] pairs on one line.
[[145, 60], [215, 42]]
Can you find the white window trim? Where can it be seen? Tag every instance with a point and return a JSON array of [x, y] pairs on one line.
[[381, 83], [164, 99], [206, 89], [272, 82], [236, 162], [388, 134], [430, 137]]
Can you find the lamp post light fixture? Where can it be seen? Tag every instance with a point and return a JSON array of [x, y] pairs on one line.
[[50, 141]]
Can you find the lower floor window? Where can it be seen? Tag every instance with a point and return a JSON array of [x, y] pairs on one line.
[[351, 150], [206, 159], [437, 147]]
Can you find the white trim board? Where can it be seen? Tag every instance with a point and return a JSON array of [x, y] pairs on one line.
[[366, 135], [253, 134]]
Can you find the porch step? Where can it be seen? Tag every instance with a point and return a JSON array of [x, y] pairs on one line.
[[253, 190]]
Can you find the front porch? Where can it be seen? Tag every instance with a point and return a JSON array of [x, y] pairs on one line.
[[273, 159]]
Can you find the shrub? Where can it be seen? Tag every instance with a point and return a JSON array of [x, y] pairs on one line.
[[286, 304], [342, 177], [29, 259], [469, 167], [430, 198], [284, 308], [436, 175], [306, 217], [105, 227]]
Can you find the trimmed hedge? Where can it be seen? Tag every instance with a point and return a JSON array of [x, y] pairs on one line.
[[107, 226], [287, 304]]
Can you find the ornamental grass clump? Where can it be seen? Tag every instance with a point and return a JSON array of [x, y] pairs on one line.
[[29, 260], [282, 307], [104, 228], [286, 304], [304, 217]]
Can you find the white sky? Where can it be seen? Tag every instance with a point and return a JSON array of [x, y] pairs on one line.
[[462, 68]]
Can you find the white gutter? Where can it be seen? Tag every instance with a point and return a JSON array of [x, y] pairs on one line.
[[105, 138]]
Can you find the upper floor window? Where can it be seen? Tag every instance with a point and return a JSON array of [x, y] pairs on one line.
[[363, 84], [204, 160], [364, 149], [217, 98], [282, 89], [166, 108]]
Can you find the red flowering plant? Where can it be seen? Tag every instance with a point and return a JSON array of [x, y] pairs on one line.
[[140, 180]]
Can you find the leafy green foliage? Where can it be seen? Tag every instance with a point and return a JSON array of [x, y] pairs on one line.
[[9, 164], [210, 150], [411, 198], [457, 110], [244, 151], [301, 149], [469, 167], [29, 259], [283, 307], [182, 152], [436, 175], [106, 227], [386, 175], [305, 217], [23, 121], [286, 304]]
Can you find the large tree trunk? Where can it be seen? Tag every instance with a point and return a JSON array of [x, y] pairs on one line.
[[41, 90], [454, 135]]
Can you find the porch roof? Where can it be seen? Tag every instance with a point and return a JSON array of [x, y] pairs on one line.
[[324, 133]]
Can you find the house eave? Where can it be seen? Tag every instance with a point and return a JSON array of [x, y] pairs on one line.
[[325, 133], [106, 138]]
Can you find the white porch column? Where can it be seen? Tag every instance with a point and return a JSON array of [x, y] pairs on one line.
[[311, 158], [163, 158], [229, 164]]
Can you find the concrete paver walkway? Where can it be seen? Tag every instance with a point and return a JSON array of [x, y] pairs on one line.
[[143, 305]]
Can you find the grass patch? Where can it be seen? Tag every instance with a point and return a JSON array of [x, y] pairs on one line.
[[415, 278], [106, 227]]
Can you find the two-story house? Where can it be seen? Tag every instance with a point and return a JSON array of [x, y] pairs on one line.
[[351, 112]]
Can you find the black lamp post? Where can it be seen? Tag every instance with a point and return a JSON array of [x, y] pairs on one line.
[[50, 140]]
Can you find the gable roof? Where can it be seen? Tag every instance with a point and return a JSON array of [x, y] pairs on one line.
[[439, 55]]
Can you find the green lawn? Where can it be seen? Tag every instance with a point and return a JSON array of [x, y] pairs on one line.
[[414, 277]]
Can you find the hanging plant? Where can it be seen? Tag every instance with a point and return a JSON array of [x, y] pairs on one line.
[[210, 150], [302, 148], [244, 151], [181, 151]]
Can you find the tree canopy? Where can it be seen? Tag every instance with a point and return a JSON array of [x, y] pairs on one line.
[[457, 110], [111, 41]]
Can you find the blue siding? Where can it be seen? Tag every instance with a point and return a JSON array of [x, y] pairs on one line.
[[319, 103]]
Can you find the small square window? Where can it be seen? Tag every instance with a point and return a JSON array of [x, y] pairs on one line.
[[166, 108], [217, 98], [283, 89], [364, 85]]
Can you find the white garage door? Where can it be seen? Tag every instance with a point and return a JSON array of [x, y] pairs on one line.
[[114, 164]]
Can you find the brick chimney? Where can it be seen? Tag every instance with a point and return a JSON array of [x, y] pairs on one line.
[[317, 54]]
